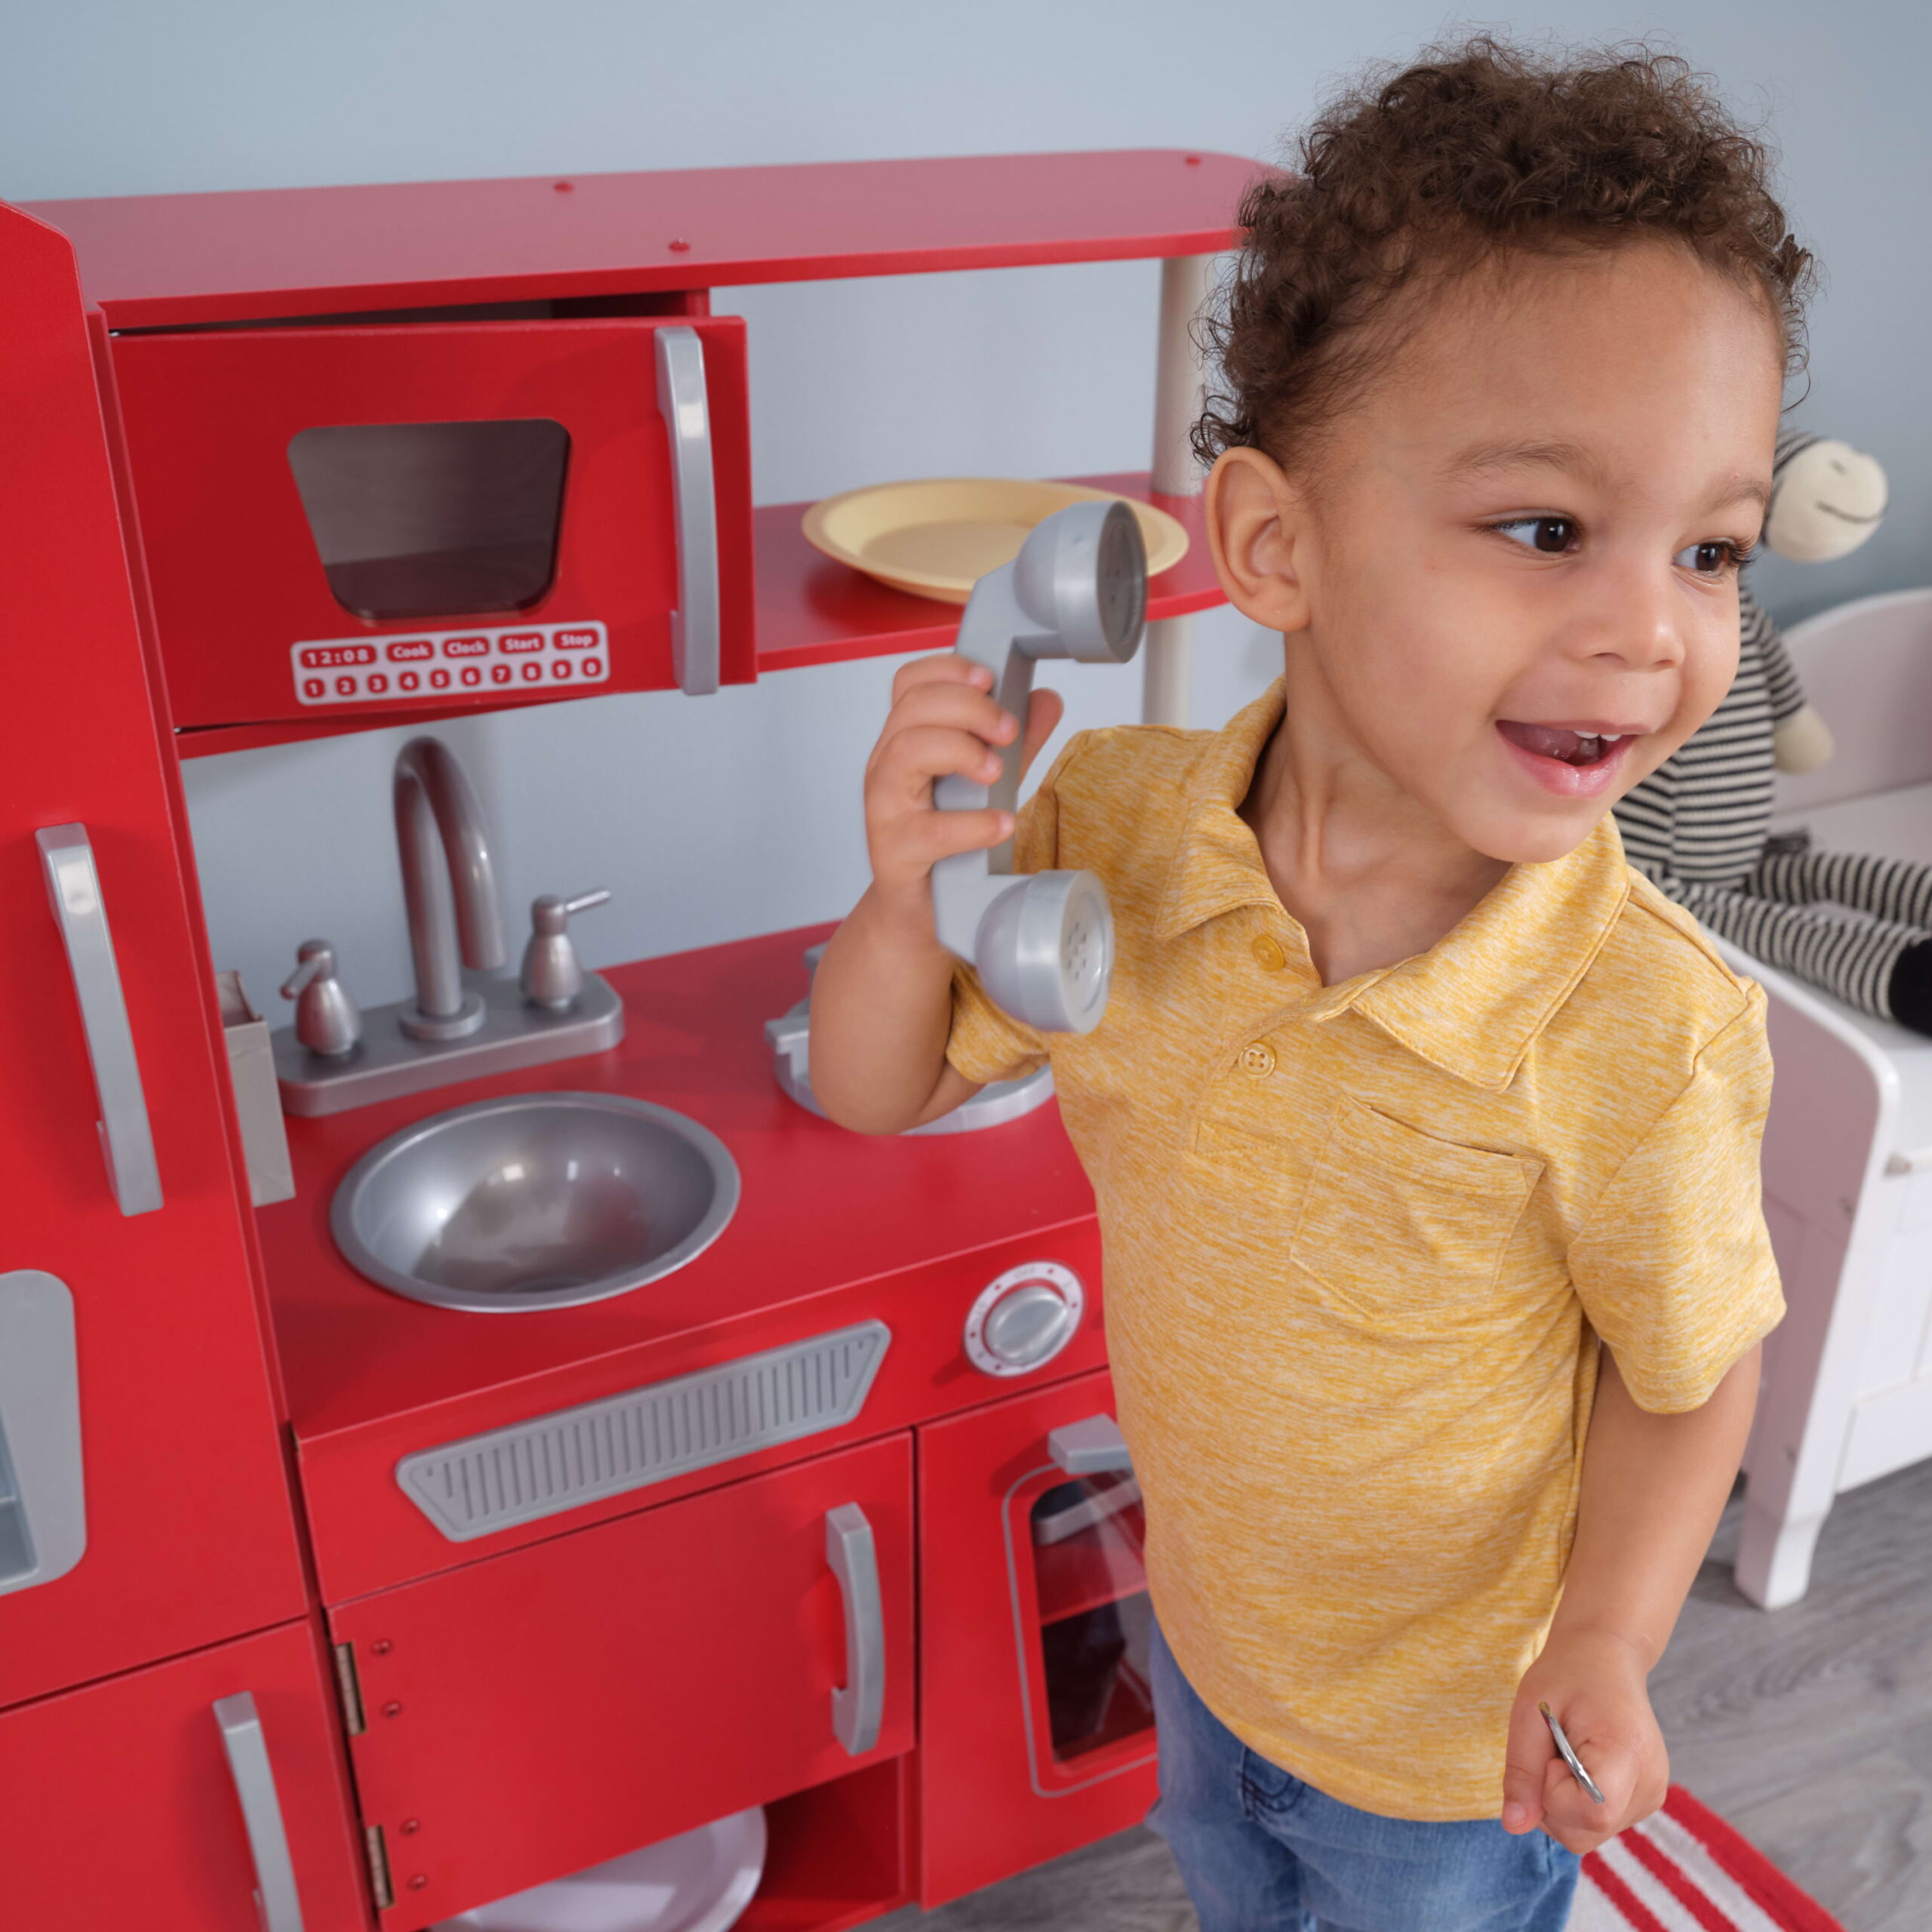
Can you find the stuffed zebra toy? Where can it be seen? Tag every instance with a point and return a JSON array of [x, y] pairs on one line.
[[1699, 826]]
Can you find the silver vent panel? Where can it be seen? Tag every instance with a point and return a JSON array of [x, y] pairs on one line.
[[572, 1457]]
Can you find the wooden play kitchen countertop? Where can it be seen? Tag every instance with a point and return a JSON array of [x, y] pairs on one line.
[[833, 1227]]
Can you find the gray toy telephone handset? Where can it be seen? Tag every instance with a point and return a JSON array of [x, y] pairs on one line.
[[1043, 942]]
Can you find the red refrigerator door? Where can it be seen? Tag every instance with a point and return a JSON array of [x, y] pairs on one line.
[[352, 522], [1035, 1728], [544, 1710], [169, 1798], [167, 1525]]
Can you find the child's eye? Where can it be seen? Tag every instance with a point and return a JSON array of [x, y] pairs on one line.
[[1553, 535], [1712, 559]]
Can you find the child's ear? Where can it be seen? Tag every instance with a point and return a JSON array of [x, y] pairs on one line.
[[1255, 525]]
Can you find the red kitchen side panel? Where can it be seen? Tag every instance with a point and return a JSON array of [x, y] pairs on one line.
[[189, 1535], [1035, 1728], [121, 1808], [384, 569], [565, 1703]]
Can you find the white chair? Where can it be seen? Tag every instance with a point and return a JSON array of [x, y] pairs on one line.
[[1847, 1164]]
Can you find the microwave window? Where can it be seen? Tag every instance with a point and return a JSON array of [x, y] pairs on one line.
[[415, 520]]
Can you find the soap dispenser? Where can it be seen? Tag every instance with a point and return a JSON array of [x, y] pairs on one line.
[[552, 977], [326, 1020]]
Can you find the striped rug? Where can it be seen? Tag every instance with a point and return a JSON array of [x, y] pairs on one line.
[[1687, 1870]]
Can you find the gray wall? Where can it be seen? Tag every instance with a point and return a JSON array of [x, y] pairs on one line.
[[719, 818]]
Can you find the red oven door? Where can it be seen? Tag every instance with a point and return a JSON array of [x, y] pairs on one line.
[[346, 522], [1036, 1729], [542, 1710]]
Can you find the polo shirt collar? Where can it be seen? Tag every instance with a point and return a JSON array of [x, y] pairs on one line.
[[1474, 1002]]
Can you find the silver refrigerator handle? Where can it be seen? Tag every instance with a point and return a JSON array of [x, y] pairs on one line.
[[858, 1707], [73, 890], [261, 1811], [682, 400]]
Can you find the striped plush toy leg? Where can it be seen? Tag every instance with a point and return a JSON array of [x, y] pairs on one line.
[[1897, 893], [1859, 962]]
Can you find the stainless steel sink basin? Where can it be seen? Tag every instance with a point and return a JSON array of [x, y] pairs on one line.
[[535, 1200]]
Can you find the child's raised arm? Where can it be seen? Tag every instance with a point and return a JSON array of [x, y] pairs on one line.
[[882, 996]]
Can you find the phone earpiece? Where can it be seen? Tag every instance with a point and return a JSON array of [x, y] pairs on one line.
[[1042, 943]]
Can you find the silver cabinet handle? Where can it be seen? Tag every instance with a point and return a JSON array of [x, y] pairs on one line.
[[858, 1708], [1092, 1447], [73, 889], [261, 1811], [686, 413]]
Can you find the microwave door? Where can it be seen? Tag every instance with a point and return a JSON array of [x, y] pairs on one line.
[[418, 518]]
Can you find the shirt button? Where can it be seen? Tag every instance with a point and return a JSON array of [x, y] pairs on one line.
[[1268, 954], [1258, 1061]]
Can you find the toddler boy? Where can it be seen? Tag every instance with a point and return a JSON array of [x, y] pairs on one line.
[[1423, 1132]]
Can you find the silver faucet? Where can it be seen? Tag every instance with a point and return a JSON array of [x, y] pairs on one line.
[[447, 1032], [434, 803]]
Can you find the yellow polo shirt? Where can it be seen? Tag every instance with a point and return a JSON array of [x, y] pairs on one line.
[[1359, 1239]]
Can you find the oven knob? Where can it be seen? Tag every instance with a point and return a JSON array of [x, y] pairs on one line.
[[1021, 1321]]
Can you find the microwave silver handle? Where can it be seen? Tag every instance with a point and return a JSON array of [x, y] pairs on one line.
[[858, 1706], [686, 409], [73, 890], [247, 1750]]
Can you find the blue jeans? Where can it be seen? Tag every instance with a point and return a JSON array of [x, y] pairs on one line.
[[1260, 1851]]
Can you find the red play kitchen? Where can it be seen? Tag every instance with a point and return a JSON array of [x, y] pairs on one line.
[[578, 1441]]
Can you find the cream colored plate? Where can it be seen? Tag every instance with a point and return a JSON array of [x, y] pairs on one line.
[[937, 537]]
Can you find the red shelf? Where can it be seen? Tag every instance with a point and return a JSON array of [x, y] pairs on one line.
[[837, 1855], [1100, 1565], [176, 260], [811, 610]]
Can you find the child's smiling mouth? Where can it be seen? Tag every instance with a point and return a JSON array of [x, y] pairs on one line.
[[1577, 760]]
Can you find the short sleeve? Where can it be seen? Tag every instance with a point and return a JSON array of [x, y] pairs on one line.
[[986, 1043], [1673, 1267]]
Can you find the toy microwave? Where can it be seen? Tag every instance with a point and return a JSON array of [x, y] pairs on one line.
[[412, 515]]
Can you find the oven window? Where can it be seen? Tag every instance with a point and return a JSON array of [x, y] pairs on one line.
[[415, 520], [1092, 1613]]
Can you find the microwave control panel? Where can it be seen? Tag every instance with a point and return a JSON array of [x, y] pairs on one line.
[[426, 665]]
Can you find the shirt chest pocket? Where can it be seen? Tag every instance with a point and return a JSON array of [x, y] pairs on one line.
[[1394, 1219]]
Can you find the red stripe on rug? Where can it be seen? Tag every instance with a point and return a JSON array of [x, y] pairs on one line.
[[1661, 1867], [1765, 1884], [1638, 1914]]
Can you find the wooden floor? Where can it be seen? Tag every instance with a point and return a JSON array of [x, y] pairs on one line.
[[1810, 1729]]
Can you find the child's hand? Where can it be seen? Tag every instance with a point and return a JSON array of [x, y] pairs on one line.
[[943, 720], [1595, 1682]]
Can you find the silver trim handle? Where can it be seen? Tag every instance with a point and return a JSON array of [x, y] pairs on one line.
[[682, 400], [1092, 1447], [261, 1811], [858, 1708], [127, 1141]]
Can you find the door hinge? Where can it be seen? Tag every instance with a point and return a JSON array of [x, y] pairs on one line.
[[349, 1688], [379, 1867]]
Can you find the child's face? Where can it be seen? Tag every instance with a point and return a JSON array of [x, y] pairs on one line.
[[1513, 565]]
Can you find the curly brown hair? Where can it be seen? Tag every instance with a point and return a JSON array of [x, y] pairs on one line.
[[1477, 151]]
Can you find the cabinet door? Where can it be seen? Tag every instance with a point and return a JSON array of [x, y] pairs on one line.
[[1036, 1728], [356, 523], [122, 1807], [163, 1521], [574, 1700]]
